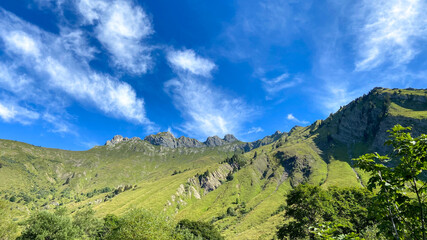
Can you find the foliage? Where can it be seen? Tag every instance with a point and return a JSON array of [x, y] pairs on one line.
[[237, 161], [140, 224], [48, 225], [86, 224], [200, 229], [400, 200], [309, 206], [331, 231]]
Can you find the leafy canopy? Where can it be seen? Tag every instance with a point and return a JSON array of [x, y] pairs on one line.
[[398, 182]]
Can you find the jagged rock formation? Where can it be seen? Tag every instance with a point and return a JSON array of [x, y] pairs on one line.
[[118, 139], [265, 141], [167, 139]]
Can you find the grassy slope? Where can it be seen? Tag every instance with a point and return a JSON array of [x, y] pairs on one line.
[[256, 192]]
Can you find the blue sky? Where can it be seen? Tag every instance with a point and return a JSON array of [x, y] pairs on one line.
[[75, 73]]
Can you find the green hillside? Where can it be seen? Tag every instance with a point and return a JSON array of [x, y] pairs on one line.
[[239, 187]]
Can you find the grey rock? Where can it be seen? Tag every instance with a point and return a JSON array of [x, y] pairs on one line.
[[230, 138], [116, 139], [166, 139], [189, 142], [214, 141]]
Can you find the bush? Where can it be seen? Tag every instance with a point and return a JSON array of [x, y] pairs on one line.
[[231, 212], [47, 225], [310, 206], [86, 224], [200, 229], [140, 224]]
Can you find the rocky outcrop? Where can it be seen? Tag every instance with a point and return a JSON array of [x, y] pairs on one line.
[[265, 141], [118, 139], [188, 142], [230, 138], [167, 139], [214, 141], [368, 118]]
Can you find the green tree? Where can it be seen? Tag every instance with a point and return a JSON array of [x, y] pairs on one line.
[[87, 225], [142, 224], [343, 210], [397, 180], [199, 229], [48, 225], [306, 205]]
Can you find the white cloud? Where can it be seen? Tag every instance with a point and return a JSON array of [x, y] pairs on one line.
[[121, 27], [20, 42], [278, 84], [293, 118], [57, 73], [75, 42], [255, 130], [59, 125], [188, 61], [390, 32], [11, 112], [207, 110]]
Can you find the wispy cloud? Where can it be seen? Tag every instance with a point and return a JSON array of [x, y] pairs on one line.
[[275, 85], [390, 33], [11, 112], [207, 110], [59, 124], [255, 130], [188, 61], [121, 27], [42, 64], [294, 119]]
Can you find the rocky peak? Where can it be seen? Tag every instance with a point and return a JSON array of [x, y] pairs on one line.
[[166, 139], [116, 139], [230, 138], [214, 141], [188, 142]]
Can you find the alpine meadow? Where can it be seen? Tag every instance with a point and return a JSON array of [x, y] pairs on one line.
[[213, 120]]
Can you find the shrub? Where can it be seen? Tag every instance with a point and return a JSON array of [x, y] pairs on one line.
[[140, 224], [47, 225], [200, 229]]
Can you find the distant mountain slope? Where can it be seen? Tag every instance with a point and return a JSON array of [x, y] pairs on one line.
[[238, 186]]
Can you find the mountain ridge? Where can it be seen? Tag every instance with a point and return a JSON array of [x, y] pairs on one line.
[[203, 183]]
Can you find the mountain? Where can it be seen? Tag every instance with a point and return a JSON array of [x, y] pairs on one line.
[[238, 186]]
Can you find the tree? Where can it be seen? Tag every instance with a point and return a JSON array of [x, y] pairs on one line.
[[307, 205], [143, 225], [400, 204], [48, 225], [86, 224], [200, 229], [343, 210]]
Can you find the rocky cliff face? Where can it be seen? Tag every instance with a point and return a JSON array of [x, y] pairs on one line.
[[368, 118], [118, 139], [167, 139]]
